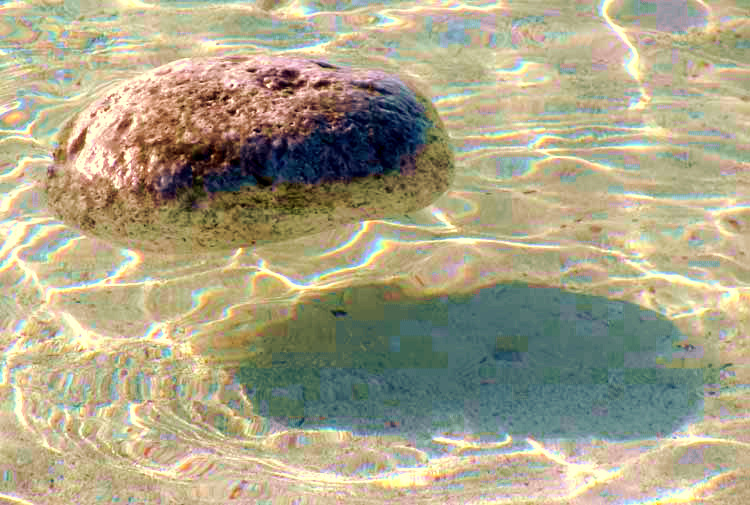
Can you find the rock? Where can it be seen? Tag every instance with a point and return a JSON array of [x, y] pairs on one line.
[[224, 152]]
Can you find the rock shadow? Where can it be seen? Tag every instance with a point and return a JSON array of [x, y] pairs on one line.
[[507, 359]]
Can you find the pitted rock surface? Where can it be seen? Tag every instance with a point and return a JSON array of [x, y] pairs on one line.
[[224, 152]]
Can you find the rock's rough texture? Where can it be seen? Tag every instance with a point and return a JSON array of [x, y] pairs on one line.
[[223, 152]]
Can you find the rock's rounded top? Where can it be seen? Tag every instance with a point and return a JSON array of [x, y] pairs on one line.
[[196, 129]]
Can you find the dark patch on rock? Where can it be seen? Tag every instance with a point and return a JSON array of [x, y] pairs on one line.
[[223, 152]]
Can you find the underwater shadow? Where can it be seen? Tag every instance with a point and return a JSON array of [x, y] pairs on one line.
[[506, 359]]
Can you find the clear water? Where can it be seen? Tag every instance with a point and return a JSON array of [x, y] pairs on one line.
[[568, 324]]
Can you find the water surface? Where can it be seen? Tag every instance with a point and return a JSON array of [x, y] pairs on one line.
[[567, 324]]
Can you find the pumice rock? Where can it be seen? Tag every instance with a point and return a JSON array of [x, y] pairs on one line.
[[224, 152]]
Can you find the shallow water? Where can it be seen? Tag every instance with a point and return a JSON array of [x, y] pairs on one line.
[[568, 324]]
